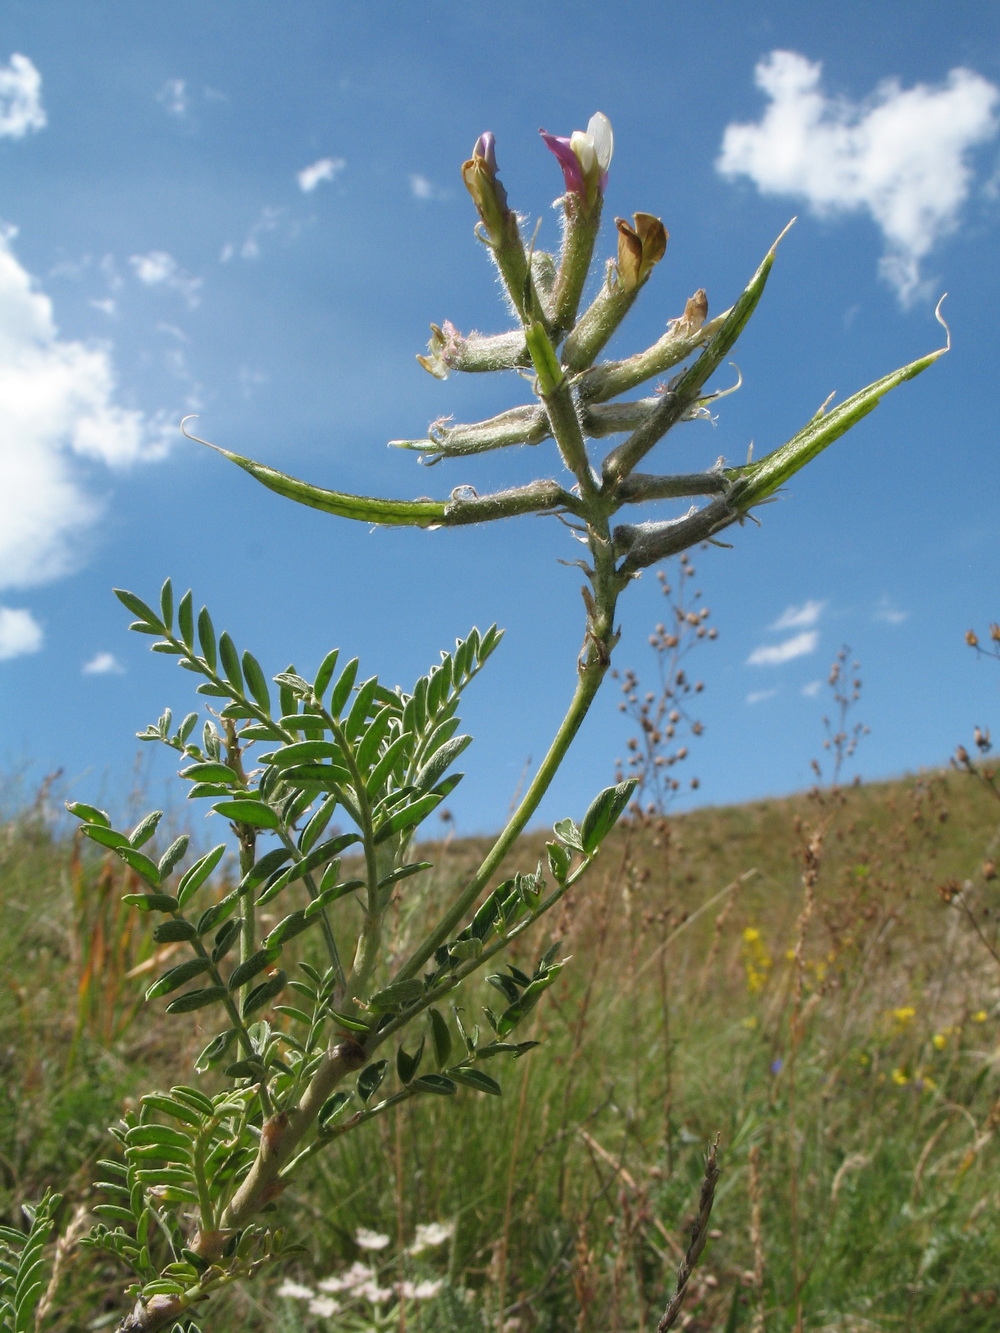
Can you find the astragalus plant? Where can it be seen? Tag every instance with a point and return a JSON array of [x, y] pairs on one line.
[[325, 780]]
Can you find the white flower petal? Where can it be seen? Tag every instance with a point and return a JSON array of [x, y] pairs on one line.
[[583, 146], [601, 136]]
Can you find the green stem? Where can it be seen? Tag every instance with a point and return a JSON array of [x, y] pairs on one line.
[[205, 1207], [366, 955], [232, 1009], [312, 888], [248, 920], [466, 969], [591, 673]]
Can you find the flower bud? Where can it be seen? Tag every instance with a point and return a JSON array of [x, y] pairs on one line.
[[499, 222], [482, 182]]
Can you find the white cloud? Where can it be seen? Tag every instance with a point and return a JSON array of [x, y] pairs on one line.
[[889, 614], [270, 220], [251, 380], [21, 107], [57, 413], [422, 188], [103, 664], [173, 98], [800, 617], [326, 169], [811, 690], [901, 155], [774, 654], [159, 269], [20, 633], [759, 696]]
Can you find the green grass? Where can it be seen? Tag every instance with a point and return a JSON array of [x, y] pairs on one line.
[[839, 1035]]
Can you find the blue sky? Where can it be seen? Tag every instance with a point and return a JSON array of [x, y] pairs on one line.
[[254, 212]]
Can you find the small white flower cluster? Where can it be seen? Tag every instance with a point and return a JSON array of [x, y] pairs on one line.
[[430, 1235], [370, 1240], [361, 1282]]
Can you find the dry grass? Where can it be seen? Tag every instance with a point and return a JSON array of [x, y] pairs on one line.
[[830, 1015]]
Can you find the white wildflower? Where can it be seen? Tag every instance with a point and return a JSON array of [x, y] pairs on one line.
[[370, 1240], [373, 1293], [324, 1306], [419, 1291], [356, 1275], [295, 1291], [431, 1234]]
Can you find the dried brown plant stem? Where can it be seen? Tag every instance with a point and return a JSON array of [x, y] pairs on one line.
[[757, 1239], [400, 1185], [811, 860], [508, 1205], [64, 1247], [596, 959], [699, 1234]]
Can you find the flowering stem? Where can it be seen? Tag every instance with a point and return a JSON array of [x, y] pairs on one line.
[[591, 670], [588, 683]]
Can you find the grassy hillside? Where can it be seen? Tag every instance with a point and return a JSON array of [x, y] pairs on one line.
[[787, 976]]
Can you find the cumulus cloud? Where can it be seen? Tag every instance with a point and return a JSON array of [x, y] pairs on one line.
[[103, 664], [326, 169], [889, 614], [173, 97], [422, 188], [774, 654], [159, 269], [58, 417], [269, 220], [20, 633], [21, 107], [901, 155], [811, 690], [760, 696], [800, 617]]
